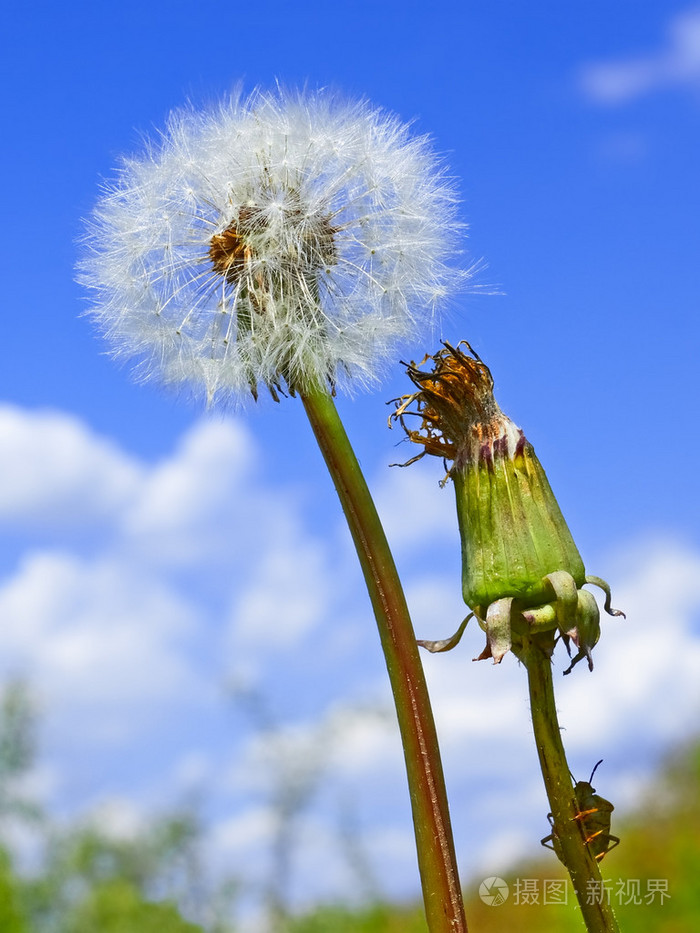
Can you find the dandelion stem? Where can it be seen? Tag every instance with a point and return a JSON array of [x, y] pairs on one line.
[[436, 856], [576, 855]]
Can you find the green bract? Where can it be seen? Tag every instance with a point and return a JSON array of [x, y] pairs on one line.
[[521, 570]]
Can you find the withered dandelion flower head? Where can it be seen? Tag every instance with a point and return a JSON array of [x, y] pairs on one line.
[[521, 569], [279, 239]]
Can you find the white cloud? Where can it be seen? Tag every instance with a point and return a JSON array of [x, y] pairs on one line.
[[677, 64], [244, 834], [193, 505], [285, 597], [117, 818], [289, 772], [647, 666], [136, 631], [415, 510], [98, 641], [57, 475], [204, 512], [364, 741]]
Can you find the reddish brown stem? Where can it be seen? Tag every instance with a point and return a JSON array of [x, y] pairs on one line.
[[436, 855]]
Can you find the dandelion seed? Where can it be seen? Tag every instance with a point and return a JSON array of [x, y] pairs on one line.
[[284, 239]]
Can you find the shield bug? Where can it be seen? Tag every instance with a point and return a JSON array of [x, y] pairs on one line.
[[594, 819]]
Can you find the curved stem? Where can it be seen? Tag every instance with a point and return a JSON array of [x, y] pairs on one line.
[[436, 856], [580, 863]]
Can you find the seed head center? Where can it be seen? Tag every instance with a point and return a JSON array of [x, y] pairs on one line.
[[230, 250], [296, 242]]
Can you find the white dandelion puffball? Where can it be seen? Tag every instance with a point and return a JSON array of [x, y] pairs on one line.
[[283, 239]]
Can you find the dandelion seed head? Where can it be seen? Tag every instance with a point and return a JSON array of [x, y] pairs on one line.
[[278, 239]]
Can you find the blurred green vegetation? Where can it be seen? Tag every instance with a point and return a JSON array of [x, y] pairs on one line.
[[89, 881], [118, 907], [152, 880], [378, 918]]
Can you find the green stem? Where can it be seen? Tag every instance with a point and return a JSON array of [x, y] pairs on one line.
[[436, 856], [580, 863]]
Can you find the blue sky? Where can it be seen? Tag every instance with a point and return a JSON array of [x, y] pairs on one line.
[[213, 550]]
